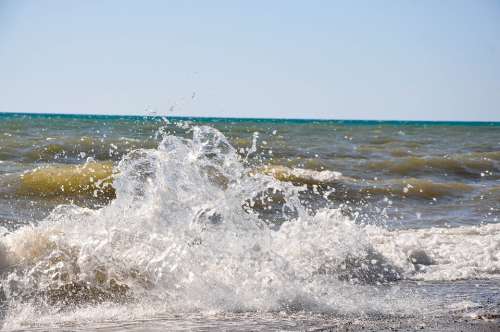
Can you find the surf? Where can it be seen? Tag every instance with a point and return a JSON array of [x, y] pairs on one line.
[[185, 233]]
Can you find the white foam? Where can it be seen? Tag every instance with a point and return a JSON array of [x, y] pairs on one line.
[[442, 253]]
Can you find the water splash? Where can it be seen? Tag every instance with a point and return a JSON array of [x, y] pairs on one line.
[[185, 233]]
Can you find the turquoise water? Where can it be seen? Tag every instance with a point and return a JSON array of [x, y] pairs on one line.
[[258, 120]]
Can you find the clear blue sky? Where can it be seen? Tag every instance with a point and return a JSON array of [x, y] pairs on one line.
[[432, 60]]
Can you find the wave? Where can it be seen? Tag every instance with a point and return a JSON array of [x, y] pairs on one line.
[[91, 178], [467, 252], [73, 149], [471, 165], [182, 232], [416, 188], [351, 188], [95, 180], [302, 176]]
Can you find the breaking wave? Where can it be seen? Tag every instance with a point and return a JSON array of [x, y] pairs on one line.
[[184, 232], [92, 178]]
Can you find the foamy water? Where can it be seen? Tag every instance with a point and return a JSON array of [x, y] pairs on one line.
[[193, 231]]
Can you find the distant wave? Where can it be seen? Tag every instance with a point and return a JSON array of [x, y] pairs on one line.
[[469, 165]]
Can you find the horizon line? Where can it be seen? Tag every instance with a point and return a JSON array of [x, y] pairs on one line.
[[250, 118]]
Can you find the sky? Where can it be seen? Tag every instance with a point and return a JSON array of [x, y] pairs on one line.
[[399, 60]]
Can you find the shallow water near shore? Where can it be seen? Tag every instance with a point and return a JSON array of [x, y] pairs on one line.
[[150, 223]]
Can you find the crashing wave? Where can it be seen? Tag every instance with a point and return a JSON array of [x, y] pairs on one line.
[[183, 231]]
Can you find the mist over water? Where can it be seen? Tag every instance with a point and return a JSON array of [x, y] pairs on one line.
[[123, 219]]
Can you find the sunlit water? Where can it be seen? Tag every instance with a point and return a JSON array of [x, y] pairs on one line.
[[149, 223]]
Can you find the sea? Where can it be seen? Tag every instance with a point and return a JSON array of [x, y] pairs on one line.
[[151, 223]]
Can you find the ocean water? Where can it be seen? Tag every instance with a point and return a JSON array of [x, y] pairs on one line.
[[144, 223]]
